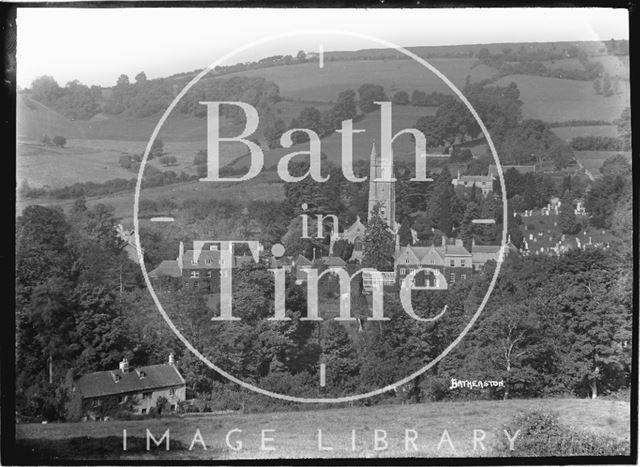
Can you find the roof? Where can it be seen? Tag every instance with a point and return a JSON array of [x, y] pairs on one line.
[[103, 383], [455, 250], [302, 261], [476, 178], [169, 268], [207, 259], [491, 249], [210, 259], [332, 261], [443, 251]]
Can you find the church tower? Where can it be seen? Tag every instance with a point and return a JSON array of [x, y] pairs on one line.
[[381, 190]]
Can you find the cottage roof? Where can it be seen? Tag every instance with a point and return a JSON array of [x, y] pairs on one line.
[[103, 383], [332, 261], [476, 178], [302, 261]]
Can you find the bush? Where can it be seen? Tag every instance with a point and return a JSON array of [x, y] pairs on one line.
[[125, 162], [59, 141], [168, 160], [400, 98], [541, 434]]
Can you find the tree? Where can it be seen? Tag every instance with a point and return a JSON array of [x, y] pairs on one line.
[[467, 228], [200, 158], [601, 199], [567, 217], [483, 53], [368, 94], [419, 98], [45, 89], [156, 149], [339, 354], [272, 132], [46, 140], [400, 98], [616, 165], [168, 160], [378, 242], [623, 125], [345, 106], [123, 81], [125, 162], [597, 86], [301, 56], [59, 141], [404, 233], [141, 78], [606, 85], [310, 119]]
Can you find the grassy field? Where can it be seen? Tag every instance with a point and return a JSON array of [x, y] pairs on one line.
[[402, 117], [592, 160], [554, 99], [309, 82], [569, 132], [265, 187], [295, 434]]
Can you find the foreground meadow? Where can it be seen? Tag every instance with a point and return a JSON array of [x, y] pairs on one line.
[[295, 434]]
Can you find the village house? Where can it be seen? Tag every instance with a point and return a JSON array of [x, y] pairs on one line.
[[483, 182], [142, 386], [199, 268], [450, 258]]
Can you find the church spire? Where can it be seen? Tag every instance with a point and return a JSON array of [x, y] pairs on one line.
[[382, 187]]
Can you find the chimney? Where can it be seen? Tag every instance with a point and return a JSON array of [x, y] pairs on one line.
[[124, 365], [180, 253], [444, 240], [473, 242], [171, 359]]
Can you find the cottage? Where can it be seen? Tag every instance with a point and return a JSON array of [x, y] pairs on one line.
[[142, 385], [482, 182]]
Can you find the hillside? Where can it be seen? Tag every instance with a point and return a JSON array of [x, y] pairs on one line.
[[95, 145], [309, 82]]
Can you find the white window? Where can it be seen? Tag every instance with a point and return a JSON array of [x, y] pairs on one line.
[[194, 261], [463, 277], [207, 261], [209, 274], [172, 392], [407, 260], [431, 261], [195, 274], [146, 395], [452, 277], [452, 262], [462, 262]]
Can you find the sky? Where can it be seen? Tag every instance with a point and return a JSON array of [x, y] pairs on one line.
[[96, 45]]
